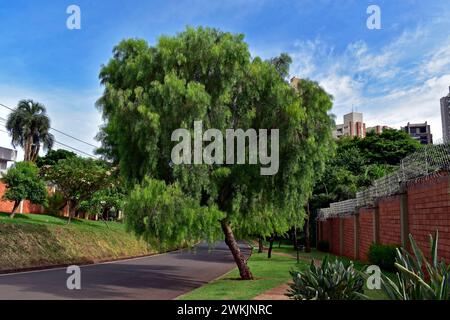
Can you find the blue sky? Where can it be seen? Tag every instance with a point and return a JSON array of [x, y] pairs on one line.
[[393, 75]]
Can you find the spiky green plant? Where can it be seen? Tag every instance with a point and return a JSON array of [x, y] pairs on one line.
[[333, 280], [417, 278]]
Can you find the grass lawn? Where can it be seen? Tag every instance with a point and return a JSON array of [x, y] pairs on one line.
[[40, 240], [269, 273], [318, 255], [42, 219]]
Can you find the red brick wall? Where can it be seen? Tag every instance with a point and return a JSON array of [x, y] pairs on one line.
[[334, 240], [325, 232], [7, 206], [390, 229], [366, 221], [429, 210], [349, 237]]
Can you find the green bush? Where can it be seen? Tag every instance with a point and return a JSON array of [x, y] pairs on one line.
[[418, 278], [323, 246], [55, 204], [383, 256], [336, 280]]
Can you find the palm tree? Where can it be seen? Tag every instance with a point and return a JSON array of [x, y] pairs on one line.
[[29, 126]]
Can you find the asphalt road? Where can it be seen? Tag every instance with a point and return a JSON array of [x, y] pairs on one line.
[[160, 277]]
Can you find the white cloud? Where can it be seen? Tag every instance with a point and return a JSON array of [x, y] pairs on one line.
[[417, 104], [437, 61], [397, 83]]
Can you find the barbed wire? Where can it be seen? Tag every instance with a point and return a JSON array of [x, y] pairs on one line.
[[428, 162]]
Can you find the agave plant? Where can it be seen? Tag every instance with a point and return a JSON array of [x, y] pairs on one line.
[[417, 278], [334, 280]]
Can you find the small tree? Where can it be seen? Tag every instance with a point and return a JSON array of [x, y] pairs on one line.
[[53, 156], [105, 203], [77, 179], [23, 183]]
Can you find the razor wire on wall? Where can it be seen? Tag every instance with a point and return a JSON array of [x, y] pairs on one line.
[[427, 162]]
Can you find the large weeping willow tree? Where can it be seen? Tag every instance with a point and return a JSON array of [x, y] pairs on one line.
[[207, 75]]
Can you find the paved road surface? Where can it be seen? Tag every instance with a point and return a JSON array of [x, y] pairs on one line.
[[159, 277]]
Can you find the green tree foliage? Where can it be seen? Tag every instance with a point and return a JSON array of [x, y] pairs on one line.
[[55, 204], [53, 156], [106, 202], [165, 217], [29, 126], [77, 179], [209, 75], [23, 183], [389, 147], [282, 64], [359, 162]]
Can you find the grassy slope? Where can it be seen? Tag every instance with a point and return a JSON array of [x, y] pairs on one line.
[[269, 273], [40, 240]]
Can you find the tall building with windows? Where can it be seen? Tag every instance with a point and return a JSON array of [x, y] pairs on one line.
[[353, 126], [419, 131], [445, 116]]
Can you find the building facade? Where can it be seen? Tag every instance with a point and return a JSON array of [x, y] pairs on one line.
[[6, 155], [353, 126], [445, 116], [419, 131], [377, 129]]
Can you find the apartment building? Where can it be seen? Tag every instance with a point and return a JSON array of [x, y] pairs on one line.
[[353, 126], [419, 131]]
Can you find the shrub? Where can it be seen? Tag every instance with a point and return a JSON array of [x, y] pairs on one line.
[[23, 183], [417, 278], [383, 256], [336, 280], [323, 246], [55, 204]]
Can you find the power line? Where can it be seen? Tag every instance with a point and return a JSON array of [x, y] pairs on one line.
[[64, 145], [77, 150], [56, 130], [68, 135]]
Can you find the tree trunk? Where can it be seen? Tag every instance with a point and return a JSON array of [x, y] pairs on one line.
[[239, 258], [35, 152], [27, 149], [295, 238], [307, 235], [13, 212], [71, 211], [269, 253], [260, 245], [296, 246]]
